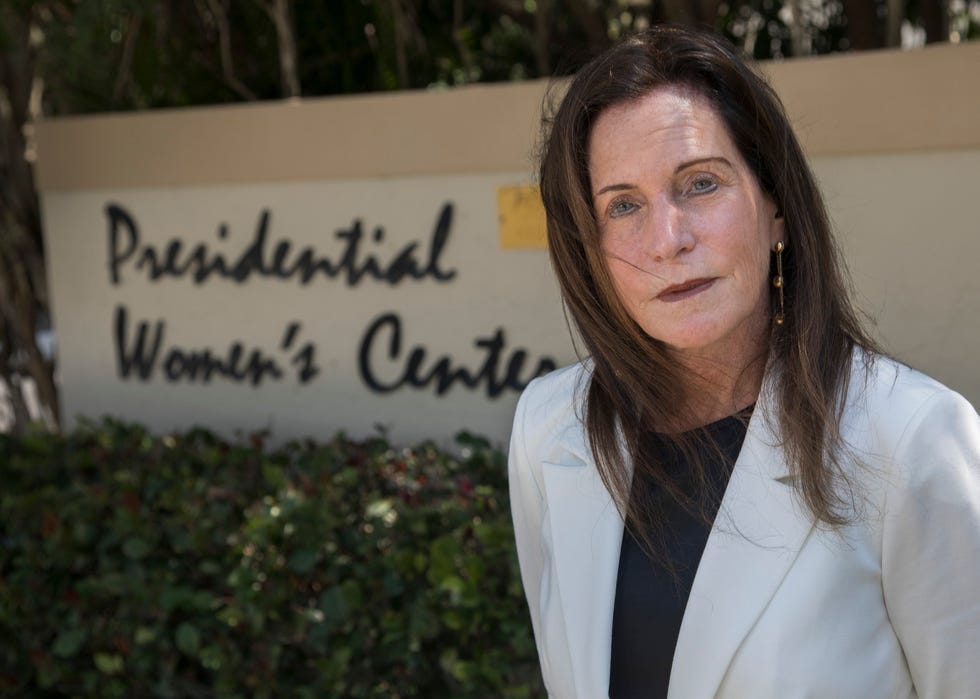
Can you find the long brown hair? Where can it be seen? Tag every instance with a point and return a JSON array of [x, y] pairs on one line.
[[634, 381]]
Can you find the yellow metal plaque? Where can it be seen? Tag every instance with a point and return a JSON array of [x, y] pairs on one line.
[[520, 216]]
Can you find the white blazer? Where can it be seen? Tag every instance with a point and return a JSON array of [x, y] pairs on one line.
[[887, 607]]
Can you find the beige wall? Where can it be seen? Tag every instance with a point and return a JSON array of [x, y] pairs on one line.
[[894, 137], [908, 224]]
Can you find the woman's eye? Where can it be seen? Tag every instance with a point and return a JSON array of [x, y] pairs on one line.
[[703, 184], [620, 207]]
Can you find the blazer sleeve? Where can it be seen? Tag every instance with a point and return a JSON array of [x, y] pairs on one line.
[[527, 510], [931, 547]]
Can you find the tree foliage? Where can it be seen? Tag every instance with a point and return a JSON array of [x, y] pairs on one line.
[[79, 56], [187, 566]]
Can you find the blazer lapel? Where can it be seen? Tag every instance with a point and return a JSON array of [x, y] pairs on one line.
[[759, 530], [588, 533]]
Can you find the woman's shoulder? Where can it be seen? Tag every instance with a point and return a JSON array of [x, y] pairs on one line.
[[549, 412], [890, 392], [910, 420], [560, 387]]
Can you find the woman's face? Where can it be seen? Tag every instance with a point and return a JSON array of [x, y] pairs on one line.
[[685, 229]]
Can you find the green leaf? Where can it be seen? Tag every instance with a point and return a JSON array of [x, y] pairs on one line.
[[333, 604], [188, 639], [451, 664], [422, 622], [210, 568], [455, 586], [211, 657], [48, 674], [174, 598], [230, 615], [453, 619], [136, 548], [493, 534], [378, 509], [341, 659], [109, 663], [69, 642], [144, 635], [442, 554], [352, 594], [303, 561], [204, 601]]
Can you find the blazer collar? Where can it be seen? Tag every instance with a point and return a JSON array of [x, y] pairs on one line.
[[586, 533], [756, 537]]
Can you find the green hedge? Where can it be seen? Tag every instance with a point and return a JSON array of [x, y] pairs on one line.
[[188, 566]]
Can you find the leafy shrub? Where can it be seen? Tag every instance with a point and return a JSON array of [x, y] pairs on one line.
[[187, 566]]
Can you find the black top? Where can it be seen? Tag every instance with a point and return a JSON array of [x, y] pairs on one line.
[[650, 598]]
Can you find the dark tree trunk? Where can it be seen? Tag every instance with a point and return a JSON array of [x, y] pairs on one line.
[[698, 13], [935, 20], [23, 284], [864, 26]]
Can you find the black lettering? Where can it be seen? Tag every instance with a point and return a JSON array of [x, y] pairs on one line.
[[233, 361], [205, 267], [439, 238], [442, 373], [201, 365], [161, 265], [404, 265], [251, 259], [142, 356], [512, 379], [120, 224], [307, 369], [258, 366], [287, 340], [139, 356], [349, 260], [394, 347], [279, 256], [444, 376], [175, 366], [308, 265], [171, 260], [488, 373]]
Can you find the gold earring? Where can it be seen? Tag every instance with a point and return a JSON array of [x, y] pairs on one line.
[[778, 281]]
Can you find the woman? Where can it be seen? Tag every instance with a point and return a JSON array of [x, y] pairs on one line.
[[736, 495]]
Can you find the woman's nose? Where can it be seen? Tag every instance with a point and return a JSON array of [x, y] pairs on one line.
[[668, 233]]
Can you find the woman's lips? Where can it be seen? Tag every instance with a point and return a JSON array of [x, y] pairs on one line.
[[685, 290]]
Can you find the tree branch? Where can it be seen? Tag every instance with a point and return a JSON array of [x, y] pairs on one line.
[[279, 12], [592, 20], [935, 20], [401, 59], [893, 28], [458, 41], [125, 74], [220, 15], [863, 28], [542, 37]]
